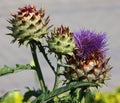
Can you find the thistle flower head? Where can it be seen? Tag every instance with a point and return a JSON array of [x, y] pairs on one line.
[[28, 25], [89, 62], [61, 41], [89, 42]]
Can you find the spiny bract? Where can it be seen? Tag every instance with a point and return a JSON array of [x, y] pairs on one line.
[[61, 41], [28, 25]]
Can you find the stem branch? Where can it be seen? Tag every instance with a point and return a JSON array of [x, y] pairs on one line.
[[45, 56], [57, 73]]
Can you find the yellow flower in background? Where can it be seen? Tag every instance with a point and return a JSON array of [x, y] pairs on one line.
[[12, 97], [107, 97], [17, 97], [118, 97], [97, 96]]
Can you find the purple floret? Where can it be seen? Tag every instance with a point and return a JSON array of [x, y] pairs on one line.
[[89, 41]]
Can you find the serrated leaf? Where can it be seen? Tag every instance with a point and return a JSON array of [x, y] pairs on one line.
[[6, 69]]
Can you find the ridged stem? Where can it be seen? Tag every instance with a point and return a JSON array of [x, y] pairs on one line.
[[37, 67]]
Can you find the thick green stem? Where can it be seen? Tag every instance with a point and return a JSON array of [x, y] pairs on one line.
[[42, 50], [37, 67]]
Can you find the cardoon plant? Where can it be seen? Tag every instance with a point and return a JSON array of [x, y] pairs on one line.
[[81, 58]]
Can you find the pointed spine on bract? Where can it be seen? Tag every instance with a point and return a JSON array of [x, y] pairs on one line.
[[61, 41], [28, 25], [89, 62]]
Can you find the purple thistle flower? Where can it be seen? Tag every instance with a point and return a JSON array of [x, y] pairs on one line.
[[89, 42]]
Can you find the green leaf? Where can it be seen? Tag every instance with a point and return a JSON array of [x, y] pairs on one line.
[[73, 85], [6, 69]]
